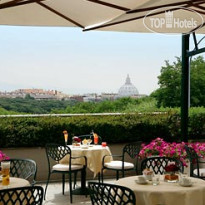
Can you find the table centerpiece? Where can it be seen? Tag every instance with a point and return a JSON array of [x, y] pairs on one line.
[[170, 174]]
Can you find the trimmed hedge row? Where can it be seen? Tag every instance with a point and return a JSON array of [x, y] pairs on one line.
[[37, 131]]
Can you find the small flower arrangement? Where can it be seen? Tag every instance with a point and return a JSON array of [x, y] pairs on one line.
[[171, 167], [3, 156], [76, 139], [170, 174]]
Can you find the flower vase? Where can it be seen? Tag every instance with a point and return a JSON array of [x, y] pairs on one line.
[[171, 177]]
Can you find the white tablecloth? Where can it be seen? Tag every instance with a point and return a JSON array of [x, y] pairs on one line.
[[166, 193], [16, 182], [94, 155]]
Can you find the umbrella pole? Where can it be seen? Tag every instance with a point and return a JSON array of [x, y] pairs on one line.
[[185, 87]]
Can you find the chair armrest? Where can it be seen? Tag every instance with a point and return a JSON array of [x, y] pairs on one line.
[[85, 158], [103, 160]]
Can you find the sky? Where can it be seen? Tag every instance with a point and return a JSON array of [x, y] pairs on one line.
[[76, 62]]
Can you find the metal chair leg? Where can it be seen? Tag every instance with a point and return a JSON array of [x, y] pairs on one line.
[[117, 175], [63, 183], [75, 179], [70, 185], [123, 173], [98, 177], [46, 186], [102, 179]]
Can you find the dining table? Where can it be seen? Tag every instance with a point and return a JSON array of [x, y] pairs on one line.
[[14, 183], [166, 193], [94, 155]]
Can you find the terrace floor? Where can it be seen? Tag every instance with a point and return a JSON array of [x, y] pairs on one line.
[[54, 194]]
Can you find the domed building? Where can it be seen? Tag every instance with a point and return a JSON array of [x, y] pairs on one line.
[[128, 89]]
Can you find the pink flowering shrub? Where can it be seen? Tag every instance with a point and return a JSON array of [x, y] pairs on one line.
[[162, 148], [3, 156], [199, 148]]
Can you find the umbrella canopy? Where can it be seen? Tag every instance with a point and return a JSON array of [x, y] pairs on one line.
[[81, 13], [111, 15], [159, 17]]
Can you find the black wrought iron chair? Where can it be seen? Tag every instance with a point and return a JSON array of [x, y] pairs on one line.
[[132, 150], [90, 136], [110, 194], [195, 169], [56, 152], [30, 195], [157, 164], [23, 168]]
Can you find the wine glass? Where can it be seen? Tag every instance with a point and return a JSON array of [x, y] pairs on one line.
[[89, 141]]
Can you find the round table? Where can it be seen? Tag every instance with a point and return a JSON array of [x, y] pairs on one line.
[[15, 182], [94, 154], [166, 193]]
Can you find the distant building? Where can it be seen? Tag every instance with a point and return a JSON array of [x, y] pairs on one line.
[[129, 90], [91, 97], [78, 98], [108, 96], [38, 94]]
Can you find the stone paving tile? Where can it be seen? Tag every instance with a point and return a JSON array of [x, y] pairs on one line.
[[54, 195]]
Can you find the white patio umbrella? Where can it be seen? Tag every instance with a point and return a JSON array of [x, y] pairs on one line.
[[185, 16], [111, 15], [162, 16]]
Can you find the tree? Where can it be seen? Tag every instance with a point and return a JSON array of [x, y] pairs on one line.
[[168, 95], [28, 97]]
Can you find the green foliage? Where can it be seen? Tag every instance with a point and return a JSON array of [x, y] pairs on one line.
[[122, 105], [6, 112], [27, 131], [32, 106], [168, 95], [17, 132]]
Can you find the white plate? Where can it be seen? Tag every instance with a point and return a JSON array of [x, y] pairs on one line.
[[141, 182], [186, 185]]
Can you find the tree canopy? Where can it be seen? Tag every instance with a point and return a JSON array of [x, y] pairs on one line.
[[168, 95]]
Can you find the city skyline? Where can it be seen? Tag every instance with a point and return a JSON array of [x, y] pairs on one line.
[[53, 91], [76, 62]]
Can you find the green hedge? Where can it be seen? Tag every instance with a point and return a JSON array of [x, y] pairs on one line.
[[37, 131]]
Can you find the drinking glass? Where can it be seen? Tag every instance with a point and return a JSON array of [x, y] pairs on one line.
[[104, 144], [5, 170], [95, 139], [66, 139], [155, 179], [89, 141]]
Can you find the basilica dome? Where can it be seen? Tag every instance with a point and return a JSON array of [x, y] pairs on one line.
[[128, 89]]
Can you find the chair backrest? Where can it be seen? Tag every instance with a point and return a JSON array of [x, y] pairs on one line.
[[132, 149], [110, 194], [90, 136], [157, 164], [23, 168], [30, 195], [56, 152], [193, 158]]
